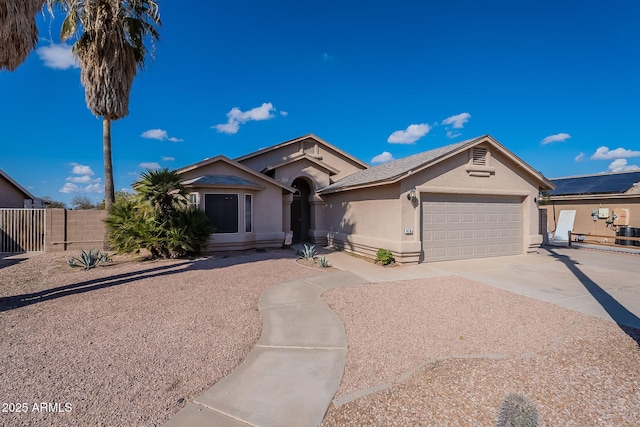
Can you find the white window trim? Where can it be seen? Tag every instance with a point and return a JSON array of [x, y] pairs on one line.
[[250, 213]]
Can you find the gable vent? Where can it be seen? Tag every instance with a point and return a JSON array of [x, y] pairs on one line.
[[479, 156]]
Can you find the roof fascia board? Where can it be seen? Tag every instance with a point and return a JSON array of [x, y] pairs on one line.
[[17, 185], [225, 159], [589, 197], [323, 165]]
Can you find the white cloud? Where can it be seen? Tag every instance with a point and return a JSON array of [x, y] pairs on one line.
[[410, 135], [603, 153], [383, 157], [559, 137], [150, 165], [82, 179], [451, 134], [579, 157], [58, 56], [327, 57], [620, 165], [160, 135], [457, 121], [168, 159], [79, 169], [236, 117], [284, 113], [70, 187]]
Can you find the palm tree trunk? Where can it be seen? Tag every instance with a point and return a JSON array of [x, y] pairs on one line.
[[109, 193]]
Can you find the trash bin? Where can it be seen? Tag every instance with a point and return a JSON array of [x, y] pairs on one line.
[[636, 234], [625, 232]]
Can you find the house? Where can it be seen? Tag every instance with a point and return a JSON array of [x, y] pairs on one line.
[[470, 199], [13, 195], [602, 202]]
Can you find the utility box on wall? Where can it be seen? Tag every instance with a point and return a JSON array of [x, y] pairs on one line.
[[623, 217], [603, 213]]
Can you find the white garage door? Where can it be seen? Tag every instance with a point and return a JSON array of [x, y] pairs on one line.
[[460, 227]]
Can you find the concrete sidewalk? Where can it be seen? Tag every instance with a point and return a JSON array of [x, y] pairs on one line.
[[292, 374]]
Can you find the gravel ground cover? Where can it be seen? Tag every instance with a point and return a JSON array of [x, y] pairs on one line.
[[445, 351], [127, 344]]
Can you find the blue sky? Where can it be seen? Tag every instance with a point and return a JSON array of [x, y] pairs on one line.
[[556, 82]]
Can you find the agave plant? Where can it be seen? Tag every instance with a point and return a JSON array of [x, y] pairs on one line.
[[323, 262], [89, 259], [309, 252]]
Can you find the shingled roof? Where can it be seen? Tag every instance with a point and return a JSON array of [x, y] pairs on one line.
[[392, 171]]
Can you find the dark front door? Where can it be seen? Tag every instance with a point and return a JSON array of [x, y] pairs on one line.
[[300, 210]]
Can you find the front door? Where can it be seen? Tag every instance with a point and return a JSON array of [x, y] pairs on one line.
[[300, 210]]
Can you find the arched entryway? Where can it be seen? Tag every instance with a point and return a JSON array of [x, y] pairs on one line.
[[300, 210]]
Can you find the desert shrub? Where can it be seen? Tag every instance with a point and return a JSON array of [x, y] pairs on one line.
[[384, 257], [158, 219]]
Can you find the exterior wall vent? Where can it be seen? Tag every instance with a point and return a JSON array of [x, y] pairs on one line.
[[479, 156]]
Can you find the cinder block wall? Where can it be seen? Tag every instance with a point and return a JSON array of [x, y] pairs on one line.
[[69, 230]]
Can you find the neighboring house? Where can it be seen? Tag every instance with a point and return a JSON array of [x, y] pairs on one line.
[[603, 202], [13, 195], [470, 199]]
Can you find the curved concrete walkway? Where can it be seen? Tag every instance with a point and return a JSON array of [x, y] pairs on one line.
[[293, 372]]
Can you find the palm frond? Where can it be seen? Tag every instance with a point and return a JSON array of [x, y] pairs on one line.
[[18, 31]]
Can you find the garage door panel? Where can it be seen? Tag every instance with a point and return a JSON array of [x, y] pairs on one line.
[[459, 227]]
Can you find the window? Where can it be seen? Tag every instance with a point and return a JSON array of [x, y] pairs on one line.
[[193, 200], [222, 210], [248, 212]]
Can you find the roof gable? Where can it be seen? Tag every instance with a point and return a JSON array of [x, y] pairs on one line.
[[330, 170], [234, 164], [310, 136], [17, 186], [604, 183], [397, 170]]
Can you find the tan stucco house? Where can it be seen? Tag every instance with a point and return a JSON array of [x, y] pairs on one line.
[[470, 199], [14, 195], [602, 203]]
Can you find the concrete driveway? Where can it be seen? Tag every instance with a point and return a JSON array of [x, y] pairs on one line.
[[599, 283]]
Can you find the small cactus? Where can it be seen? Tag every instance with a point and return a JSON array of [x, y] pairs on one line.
[[517, 410]]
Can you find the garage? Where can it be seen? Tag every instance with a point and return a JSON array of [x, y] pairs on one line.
[[466, 226]]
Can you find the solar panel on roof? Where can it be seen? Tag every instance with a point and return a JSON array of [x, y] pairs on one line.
[[595, 184]]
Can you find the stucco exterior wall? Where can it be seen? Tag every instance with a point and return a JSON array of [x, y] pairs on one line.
[[365, 220], [10, 196], [584, 222], [267, 215], [308, 146]]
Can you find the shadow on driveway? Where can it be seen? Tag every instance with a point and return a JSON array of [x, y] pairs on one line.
[[618, 312]]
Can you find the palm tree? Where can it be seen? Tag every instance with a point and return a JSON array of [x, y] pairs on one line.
[[162, 191], [18, 31], [111, 36]]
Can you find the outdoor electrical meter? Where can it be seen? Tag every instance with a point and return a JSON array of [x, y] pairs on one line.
[[603, 213]]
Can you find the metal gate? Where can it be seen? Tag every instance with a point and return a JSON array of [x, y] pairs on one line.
[[22, 230]]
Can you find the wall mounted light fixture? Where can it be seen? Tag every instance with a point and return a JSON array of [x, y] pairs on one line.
[[411, 194]]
